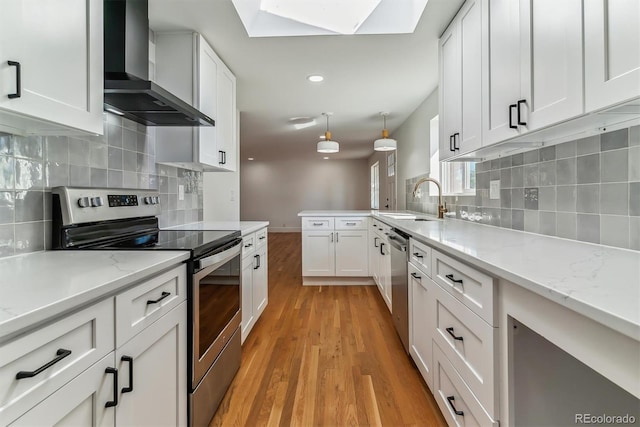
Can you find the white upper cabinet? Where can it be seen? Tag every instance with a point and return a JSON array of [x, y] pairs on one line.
[[532, 65], [188, 67], [612, 52], [51, 66], [460, 68]]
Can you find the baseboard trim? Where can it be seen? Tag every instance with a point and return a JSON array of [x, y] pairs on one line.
[[285, 229], [337, 281]]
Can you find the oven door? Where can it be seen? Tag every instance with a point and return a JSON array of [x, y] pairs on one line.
[[215, 307]]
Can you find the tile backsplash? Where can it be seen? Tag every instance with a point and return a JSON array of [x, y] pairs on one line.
[[124, 157], [587, 190]]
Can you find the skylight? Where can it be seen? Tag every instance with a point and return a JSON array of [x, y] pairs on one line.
[[273, 18]]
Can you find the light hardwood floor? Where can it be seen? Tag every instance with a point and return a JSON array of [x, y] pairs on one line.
[[323, 356]]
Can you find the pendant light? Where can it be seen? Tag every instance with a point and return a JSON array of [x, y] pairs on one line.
[[385, 143], [327, 145]]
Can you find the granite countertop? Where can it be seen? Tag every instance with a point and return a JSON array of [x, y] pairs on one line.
[[42, 285], [597, 281], [245, 227]]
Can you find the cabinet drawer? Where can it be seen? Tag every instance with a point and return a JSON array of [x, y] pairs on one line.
[[451, 392], [248, 244], [468, 285], [420, 256], [146, 302], [317, 223], [88, 335], [261, 238], [469, 344], [357, 223]]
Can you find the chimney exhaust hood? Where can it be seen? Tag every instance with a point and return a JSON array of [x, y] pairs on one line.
[[127, 89]]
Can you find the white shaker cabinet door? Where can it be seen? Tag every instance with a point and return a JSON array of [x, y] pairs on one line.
[[260, 283], [226, 118], [612, 52], [58, 46], [351, 253], [318, 253], [450, 90]]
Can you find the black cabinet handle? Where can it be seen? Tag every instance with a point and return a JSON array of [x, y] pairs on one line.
[[60, 354], [257, 258], [450, 277], [248, 245], [450, 330], [456, 137], [318, 224], [163, 295], [350, 223], [128, 359], [375, 241], [113, 402], [221, 160], [381, 249], [415, 276], [520, 122], [451, 148], [450, 399], [261, 237], [417, 255], [18, 93], [511, 107], [224, 157]]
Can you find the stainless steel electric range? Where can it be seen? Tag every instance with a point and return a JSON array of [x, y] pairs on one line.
[[103, 218]]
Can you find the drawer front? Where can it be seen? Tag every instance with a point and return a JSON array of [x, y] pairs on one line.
[[248, 245], [469, 344], [261, 238], [453, 395], [468, 285], [357, 223], [420, 256], [317, 223], [146, 302], [87, 334]]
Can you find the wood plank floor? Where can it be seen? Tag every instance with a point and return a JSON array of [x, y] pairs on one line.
[[323, 356]]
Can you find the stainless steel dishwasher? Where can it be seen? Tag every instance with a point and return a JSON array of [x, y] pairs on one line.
[[399, 241]]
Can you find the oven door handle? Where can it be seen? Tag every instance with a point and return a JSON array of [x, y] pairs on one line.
[[230, 251]]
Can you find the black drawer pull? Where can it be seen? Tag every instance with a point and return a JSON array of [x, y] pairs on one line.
[[511, 107], [450, 277], [113, 402], [520, 122], [163, 295], [60, 354], [456, 137], [417, 255], [257, 258], [451, 147], [262, 237], [450, 330], [317, 224], [415, 276], [450, 399], [382, 249], [351, 223], [130, 360], [248, 245], [18, 93]]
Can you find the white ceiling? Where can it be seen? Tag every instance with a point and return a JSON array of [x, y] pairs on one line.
[[364, 75]]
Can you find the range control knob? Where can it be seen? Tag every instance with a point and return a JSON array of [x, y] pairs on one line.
[[147, 200], [96, 202], [84, 202], [156, 200]]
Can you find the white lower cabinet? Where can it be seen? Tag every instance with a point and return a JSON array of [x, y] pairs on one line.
[[72, 372], [421, 307], [381, 259], [255, 280]]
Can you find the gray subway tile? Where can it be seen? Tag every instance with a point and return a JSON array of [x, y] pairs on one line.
[[129, 124], [505, 162], [143, 181], [532, 221], [494, 174], [129, 160], [634, 136], [588, 169], [129, 179], [517, 219], [142, 143], [114, 178], [531, 198], [99, 178], [505, 198], [566, 171], [505, 218], [7, 240], [634, 233], [114, 135], [505, 178], [99, 156], [173, 185], [532, 156], [614, 140], [517, 176], [7, 173], [29, 174], [517, 159], [114, 119], [57, 149], [548, 153], [614, 198], [56, 174], [5, 144], [588, 145], [517, 198], [566, 198], [547, 198], [142, 163], [588, 228], [29, 237], [29, 206], [614, 231], [634, 164], [7, 207], [588, 198], [28, 147], [547, 173], [79, 176], [115, 158], [548, 223], [614, 166], [531, 175], [634, 198], [79, 152], [129, 140], [566, 225], [565, 150], [495, 164], [48, 205]]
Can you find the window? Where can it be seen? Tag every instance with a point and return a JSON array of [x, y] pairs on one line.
[[457, 178], [375, 185]]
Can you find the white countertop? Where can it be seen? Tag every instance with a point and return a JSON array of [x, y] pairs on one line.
[[245, 227], [39, 286], [599, 282], [334, 213]]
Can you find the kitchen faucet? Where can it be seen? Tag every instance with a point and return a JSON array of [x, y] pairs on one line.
[[441, 208]]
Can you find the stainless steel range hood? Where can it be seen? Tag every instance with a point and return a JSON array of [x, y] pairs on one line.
[[127, 88]]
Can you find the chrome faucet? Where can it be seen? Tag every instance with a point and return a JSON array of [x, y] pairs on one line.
[[442, 208]]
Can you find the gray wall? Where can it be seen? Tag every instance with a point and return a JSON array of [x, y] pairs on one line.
[[276, 191], [124, 157], [587, 190]]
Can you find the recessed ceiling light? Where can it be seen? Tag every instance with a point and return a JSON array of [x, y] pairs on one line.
[[250, 158], [302, 122], [325, 158], [315, 78]]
